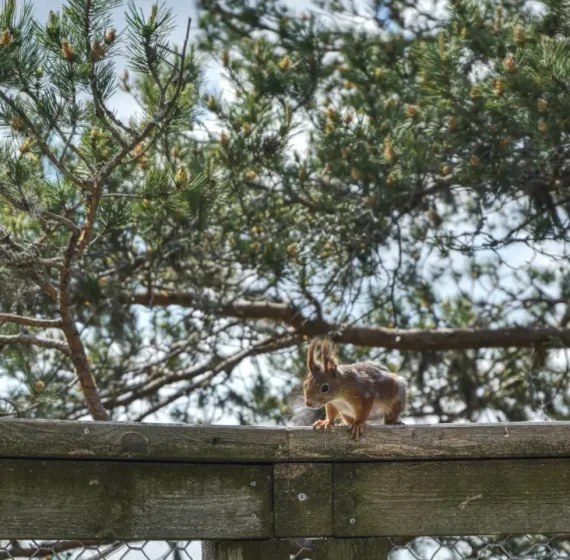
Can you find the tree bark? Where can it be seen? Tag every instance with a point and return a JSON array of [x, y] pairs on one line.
[[77, 350], [418, 340]]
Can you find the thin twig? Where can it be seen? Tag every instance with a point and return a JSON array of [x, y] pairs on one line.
[[160, 117], [34, 341], [213, 365], [228, 364], [43, 146], [29, 321], [61, 219]]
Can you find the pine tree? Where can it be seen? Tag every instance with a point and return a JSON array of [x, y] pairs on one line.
[[394, 178], [71, 171]]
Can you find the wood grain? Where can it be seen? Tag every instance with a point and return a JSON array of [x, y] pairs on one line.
[[350, 549], [240, 444], [452, 498], [245, 550], [303, 500], [44, 439], [434, 442], [134, 441], [111, 500]]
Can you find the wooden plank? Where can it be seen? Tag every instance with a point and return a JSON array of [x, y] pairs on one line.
[[240, 444], [434, 442], [303, 500], [245, 550], [135, 441], [350, 549], [452, 498], [110, 500]]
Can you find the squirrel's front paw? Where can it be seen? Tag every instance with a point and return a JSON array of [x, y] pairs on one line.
[[323, 425], [356, 431]]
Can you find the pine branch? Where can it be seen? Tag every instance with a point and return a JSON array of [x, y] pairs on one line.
[[47, 287], [46, 151], [35, 276], [61, 219], [87, 229], [161, 116], [53, 124], [20, 205], [34, 341], [29, 321], [101, 110], [69, 328], [417, 340]]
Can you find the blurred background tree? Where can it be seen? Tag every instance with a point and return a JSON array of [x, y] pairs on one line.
[[391, 174]]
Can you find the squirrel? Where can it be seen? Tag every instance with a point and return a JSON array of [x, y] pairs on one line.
[[352, 391]]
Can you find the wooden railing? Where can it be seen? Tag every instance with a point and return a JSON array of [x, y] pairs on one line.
[[246, 488]]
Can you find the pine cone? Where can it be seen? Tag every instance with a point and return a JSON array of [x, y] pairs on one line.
[[270, 145]]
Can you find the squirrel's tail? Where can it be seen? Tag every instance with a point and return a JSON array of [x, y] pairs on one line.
[[402, 390], [301, 414]]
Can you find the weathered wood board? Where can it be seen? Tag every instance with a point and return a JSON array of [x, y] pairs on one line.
[[350, 549], [434, 442], [246, 550], [84, 480], [303, 500], [131, 441], [113, 500], [240, 444], [452, 498]]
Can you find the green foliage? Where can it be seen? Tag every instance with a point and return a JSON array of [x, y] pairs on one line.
[[370, 165]]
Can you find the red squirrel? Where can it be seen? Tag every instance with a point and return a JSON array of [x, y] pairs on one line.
[[352, 391]]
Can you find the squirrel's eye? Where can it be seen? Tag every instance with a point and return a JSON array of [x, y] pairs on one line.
[[325, 388]]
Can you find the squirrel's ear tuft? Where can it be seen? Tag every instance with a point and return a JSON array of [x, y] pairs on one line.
[[312, 363], [329, 359]]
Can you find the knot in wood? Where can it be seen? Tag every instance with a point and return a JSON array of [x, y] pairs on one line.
[[131, 442]]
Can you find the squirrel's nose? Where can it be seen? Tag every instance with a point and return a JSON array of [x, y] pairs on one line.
[[308, 403]]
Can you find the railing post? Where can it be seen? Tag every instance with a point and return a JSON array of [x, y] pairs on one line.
[[350, 549], [273, 549]]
